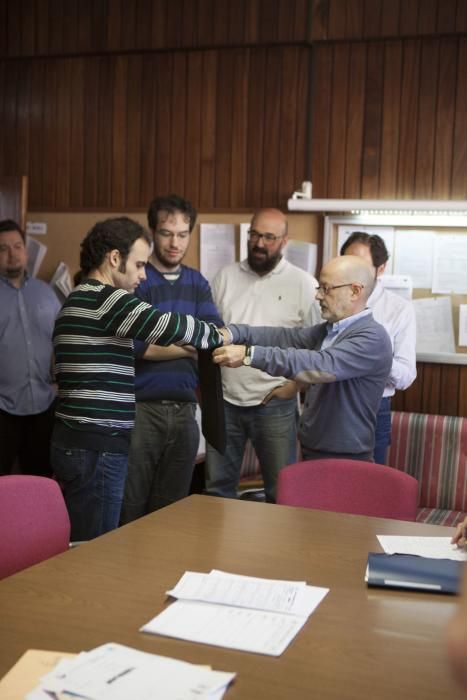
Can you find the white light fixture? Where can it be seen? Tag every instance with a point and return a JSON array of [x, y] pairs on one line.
[[430, 207]]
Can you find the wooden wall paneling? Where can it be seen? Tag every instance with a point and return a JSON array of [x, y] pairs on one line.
[[237, 21], [390, 16], [220, 30], [91, 130], [189, 29], [3, 99], [174, 15], [391, 119], [445, 107], [292, 113], [128, 40], [13, 30], [63, 172], [301, 127], [103, 158], [143, 24], [3, 29], [322, 62], [149, 155], [224, 124], [459, 166], [57, 9], [42, 27], [463, 392], [372, 18], [409, 18], [239, 128], [77, 137], [194, 112], [114, 26], [272, 127], [319, 21], [23, 112], [208, 129], [292, 20], [408, 119], [119, 132], [431, 388], [371, 160], [428, 17], [257, 117], [28, 24], [449, 390], [50, 153], [461, 16], [268, 30], [179, 148], [70, 26], [352, 158], [163, 102], [205, 22], [134, 142], [10, 86], [37, 161], [338, 119], [429, 68], [446, 16]]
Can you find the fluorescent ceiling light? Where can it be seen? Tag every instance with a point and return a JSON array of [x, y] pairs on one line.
[[381, 206]]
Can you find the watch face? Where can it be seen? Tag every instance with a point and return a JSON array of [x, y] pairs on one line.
[[247, 360]]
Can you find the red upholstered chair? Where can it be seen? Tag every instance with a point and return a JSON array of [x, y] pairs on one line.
[[349, 486], [34, 522]]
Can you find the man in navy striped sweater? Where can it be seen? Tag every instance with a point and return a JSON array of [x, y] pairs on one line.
[[93, 340], [165, 439]]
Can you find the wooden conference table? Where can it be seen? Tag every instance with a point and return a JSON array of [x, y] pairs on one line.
[[360, 642]]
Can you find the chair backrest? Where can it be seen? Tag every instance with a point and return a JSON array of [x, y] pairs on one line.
[[349, 486], [34, 522]]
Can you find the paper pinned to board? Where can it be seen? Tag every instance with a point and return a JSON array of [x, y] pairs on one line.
[[303, 255], [435, 330], [36, 253], [217, 248], [61, 281]]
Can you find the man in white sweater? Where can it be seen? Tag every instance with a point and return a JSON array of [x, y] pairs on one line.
[[264, 289], [397, 315]]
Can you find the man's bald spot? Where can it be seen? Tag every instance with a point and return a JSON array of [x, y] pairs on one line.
[[351, 268], [271, 214]]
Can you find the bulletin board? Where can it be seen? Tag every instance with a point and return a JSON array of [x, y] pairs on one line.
[[408, 225]]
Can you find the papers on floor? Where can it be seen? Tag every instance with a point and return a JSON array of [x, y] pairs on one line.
[[237, 612], [430, 547], [116, 672]]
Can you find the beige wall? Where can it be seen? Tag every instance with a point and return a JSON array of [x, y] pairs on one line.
[[66, 231]]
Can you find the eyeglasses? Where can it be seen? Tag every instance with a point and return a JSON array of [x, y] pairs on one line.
[[268, 237], [325, 289], [183, 235]]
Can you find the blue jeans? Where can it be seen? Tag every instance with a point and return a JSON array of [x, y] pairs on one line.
[[92, 484], [164, 444], [383, 430], [272, 430]]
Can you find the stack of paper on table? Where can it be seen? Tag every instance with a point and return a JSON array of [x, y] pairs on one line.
[[431, 547], [116, 672], [238, 612]]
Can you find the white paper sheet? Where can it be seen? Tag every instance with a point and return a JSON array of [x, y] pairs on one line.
[[244, 228], [435, 330], [450, 264], [463, 324], [61, 281], [413, 256], [303, 255], [398, 284], [431, 547], [116, 672], [384, 232], [248, 592], [36, 253], [217, 248], [260, 632]]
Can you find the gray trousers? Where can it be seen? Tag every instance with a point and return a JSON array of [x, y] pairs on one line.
[[164, 444]]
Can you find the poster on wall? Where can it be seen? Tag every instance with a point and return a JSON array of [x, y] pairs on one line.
[[217, 248], [450, 264], [413, 256]]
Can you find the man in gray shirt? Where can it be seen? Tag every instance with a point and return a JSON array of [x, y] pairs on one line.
[[345, 362], [28, 308]]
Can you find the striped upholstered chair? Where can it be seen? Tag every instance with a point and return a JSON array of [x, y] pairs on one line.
[[433, 449]]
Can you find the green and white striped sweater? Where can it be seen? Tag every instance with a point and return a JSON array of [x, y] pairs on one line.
[[93, 340]]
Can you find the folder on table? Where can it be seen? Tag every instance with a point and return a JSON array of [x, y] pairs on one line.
[[414, 572]]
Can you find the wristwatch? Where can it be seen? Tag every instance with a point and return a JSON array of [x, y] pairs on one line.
[[247, 359]]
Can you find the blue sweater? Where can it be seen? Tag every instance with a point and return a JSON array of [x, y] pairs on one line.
[[173, 380], [346, 379]]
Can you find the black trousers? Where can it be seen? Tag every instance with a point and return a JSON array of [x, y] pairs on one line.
[[25, 443]]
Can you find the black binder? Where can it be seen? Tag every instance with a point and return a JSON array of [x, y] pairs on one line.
[[212, 401], [414, 572]]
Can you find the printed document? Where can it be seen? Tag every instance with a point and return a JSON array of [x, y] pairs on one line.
[[430, 547]]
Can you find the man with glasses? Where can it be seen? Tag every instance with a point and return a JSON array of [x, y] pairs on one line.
[[263, 289], [165, 438], [345, 362], [397, 315]]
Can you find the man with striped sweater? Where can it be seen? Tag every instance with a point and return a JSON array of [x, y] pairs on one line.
[[93, 340]]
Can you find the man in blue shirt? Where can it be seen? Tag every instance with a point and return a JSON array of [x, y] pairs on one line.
[[28, 308], [165, 438]]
